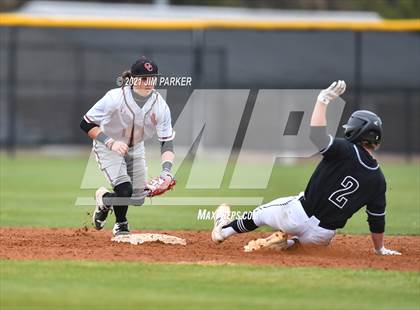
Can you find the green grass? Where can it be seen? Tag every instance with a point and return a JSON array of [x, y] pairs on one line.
[[105, 285], [41, 191]]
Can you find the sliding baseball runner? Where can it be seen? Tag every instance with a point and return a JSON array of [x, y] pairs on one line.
[[347, 179], [118, 124]]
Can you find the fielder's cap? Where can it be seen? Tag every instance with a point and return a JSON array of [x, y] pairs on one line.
[[144, 67]]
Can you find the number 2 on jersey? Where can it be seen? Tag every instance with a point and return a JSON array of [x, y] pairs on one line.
[[349, 186]]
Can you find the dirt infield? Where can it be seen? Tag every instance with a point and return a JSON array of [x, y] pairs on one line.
[[346, 251]]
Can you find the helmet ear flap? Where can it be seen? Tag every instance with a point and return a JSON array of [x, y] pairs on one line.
[[372, 137], [363, 126], [348, 134]]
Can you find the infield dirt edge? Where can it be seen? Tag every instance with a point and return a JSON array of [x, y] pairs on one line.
[[346, 251]]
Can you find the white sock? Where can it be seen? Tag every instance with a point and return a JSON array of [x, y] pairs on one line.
[[290, 242], [228, 231]]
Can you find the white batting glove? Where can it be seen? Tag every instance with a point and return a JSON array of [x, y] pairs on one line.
[[385, 251], [332, 92], [118, 146]]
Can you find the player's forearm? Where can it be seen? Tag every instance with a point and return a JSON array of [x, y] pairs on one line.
[[378, 244], [97, 134], [167, 151], [168, 156], [94, 132], [378, 240], [319, 117], [318, 133], [91, 129]]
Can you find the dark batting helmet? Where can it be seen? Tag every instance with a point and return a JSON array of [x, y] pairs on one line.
[[363, 126]]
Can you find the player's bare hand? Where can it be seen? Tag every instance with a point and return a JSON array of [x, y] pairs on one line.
[[385, 251], [119, 147], [332, 92]]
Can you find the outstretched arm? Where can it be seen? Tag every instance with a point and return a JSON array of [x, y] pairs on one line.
[[325, 96], [168, 157], [378, 240], [376, 218], [378, 243], [377, 227], [319, 115], [318, 133], [165, 181]]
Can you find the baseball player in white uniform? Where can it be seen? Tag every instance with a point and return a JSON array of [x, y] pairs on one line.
[[347, 179], [119, 123]]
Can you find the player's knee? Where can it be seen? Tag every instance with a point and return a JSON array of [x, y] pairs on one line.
[[124, 189]]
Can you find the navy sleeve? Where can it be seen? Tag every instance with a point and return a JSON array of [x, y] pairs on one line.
[[337, 148], [376, 212]]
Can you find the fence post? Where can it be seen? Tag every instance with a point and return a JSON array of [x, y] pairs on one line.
[[79, 91], [357, 69], [11, 91], [409, 139], [198, 52], [198, 57]]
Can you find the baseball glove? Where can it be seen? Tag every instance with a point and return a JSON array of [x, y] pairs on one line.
[[158, 185]]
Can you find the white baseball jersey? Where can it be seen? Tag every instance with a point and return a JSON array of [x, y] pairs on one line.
[[119, 117]]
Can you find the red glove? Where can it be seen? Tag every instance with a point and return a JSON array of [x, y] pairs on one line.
[[159, 185]]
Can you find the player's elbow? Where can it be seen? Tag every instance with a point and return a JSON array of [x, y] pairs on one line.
[[85, 126], [167, 146], [318, 136], [377, 225]]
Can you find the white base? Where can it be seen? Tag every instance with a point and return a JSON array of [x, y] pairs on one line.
[[137, 239]]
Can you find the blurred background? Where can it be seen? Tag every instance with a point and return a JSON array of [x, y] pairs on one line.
[[59, 57]]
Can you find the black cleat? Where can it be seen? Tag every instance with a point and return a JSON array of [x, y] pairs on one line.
[[121, 229], [101, 211]]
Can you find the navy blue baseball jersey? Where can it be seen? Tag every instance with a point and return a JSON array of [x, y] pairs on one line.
[[346, 179]]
